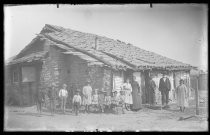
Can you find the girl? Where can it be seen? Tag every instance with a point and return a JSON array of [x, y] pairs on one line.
[[95, 98], [128, 96]]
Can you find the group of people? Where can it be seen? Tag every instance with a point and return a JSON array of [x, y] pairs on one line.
[[129, 97], [182, 92], [40, 98], [101, 99]]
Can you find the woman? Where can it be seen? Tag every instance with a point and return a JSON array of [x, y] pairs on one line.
[[128, 96], [182, 95], [136, 93]]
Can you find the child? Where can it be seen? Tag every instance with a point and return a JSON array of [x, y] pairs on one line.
[[95, 98], [108, 100], [77, 102], [101, 100], [115, 101], [122, 101]]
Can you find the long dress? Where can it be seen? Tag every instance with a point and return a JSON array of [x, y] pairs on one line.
[[87, 95], [182, 99], [136, 97], [128, 96]]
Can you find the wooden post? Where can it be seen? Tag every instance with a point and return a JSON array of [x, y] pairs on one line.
[[197, 97]]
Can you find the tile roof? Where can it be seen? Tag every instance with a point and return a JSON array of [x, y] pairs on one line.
[[113, 51]]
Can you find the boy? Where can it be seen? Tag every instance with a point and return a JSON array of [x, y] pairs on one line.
[[77, 102], [108, 100]]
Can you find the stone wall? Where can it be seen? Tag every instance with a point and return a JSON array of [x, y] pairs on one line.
[[107, 79]]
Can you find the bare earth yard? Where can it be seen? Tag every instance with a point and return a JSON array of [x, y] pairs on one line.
[[27, 119]]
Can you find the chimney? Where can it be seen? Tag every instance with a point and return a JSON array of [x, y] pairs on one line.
[[96, 43]]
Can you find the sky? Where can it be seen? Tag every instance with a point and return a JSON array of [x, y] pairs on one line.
[[177, 31]]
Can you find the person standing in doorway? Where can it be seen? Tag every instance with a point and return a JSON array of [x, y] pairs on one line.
[[152, 87], [128, 96], [136, 93], [63, 94], [87, 96], [182, 95], [164, 88]]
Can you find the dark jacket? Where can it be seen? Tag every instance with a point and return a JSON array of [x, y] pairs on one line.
[[39, 97], [51, 93], [164, 86]]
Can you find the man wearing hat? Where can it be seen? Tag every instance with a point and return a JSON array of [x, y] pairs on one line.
[[164, 88], [52, 97], [77, 101], [87, 96], [63, 94]]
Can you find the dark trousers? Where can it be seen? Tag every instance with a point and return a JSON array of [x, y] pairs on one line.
[[39, 106], [52, 105], [76, 107], [165, 97]]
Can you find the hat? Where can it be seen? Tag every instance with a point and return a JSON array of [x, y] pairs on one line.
[[181, 80]]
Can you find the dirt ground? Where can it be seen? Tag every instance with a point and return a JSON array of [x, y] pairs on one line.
[[27, 119]]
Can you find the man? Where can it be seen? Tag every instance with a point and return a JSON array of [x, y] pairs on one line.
[[152, 87], [52, 97], [87, 96], [63, 94], [164, 87]]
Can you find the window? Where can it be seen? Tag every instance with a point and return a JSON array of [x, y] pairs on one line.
[[15, 76], [28, 74]]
